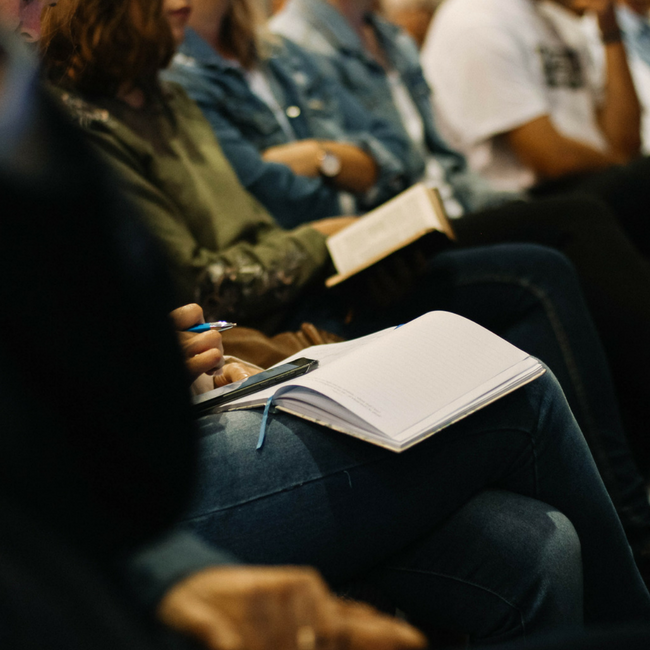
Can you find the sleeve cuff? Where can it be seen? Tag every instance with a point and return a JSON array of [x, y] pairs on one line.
[[314, 243], [391, 179], [156, 567]]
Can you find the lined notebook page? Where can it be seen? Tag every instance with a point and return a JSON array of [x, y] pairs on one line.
[[396, 221], [399, 381], [324, 354]]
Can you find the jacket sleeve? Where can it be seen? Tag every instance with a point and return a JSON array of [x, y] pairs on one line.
[[362, 128], [247, 280], [292, 199], [158, 566]]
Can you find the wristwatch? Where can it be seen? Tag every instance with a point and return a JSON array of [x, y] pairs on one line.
[[329, 164]]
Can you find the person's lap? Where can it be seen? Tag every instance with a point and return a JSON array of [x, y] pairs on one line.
[[504, 566], [313, 496], [530, 296], [614, 277], [625, 189]]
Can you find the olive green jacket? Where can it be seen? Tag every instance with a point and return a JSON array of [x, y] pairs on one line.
[[226, 250]]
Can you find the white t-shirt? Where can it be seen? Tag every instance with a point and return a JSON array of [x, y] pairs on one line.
[[496, 65]]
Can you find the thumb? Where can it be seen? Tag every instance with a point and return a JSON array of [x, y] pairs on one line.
[[208, 625], [231, 372]]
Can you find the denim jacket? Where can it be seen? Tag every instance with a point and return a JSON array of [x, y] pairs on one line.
[[319, 27], [316, 107]]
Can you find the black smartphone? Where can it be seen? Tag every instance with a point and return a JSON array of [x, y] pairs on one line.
[[253, 384]]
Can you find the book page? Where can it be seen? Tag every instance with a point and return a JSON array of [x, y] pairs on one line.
[[385, 229], [403, 379]]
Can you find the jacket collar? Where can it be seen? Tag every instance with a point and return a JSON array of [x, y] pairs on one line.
[[195, 51], [331, 23], [336, 29]]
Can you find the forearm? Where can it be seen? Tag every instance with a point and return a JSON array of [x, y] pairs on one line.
[[573, 157], [542, 148], [358, 168], [250, 280], [620, 117], [155, 568]]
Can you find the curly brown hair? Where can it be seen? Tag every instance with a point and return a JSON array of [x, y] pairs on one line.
[[102, 46]]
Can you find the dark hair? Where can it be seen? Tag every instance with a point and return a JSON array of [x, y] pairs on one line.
[[98, 46]]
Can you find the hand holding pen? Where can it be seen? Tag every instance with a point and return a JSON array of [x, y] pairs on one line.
[[217, 326], [203, 350]]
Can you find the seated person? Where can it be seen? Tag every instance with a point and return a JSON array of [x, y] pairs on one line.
[[632, 16], [298, 142], [90, 474], [97, 456], [361, 482], [246, 268], [373, 58], [537, 117]]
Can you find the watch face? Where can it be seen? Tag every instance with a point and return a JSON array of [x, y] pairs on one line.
[[330, 164]]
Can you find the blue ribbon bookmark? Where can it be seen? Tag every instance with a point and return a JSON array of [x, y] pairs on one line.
[[267, 411], [265, 419]]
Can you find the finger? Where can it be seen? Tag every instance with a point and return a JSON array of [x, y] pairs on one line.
[[232, 372], [366, 629], [187, 316], [306, 604], [197, 343], [212, 628], [181, 610], [288, 606], [236, 372], [208, 362], [271, 624]]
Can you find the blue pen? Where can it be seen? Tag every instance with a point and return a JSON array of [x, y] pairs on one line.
[[220, 326]]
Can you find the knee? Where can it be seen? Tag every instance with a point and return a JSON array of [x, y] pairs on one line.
[[535, 265], [541, 551], [551, 264], [583, 211]]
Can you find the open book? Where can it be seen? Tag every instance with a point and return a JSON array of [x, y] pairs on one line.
[[398, 386], [393, 225]]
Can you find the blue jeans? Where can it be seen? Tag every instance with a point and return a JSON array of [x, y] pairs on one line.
[[314, 496], [529, 295]]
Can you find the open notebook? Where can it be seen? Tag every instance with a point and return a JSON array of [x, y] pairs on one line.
[[401, 385]]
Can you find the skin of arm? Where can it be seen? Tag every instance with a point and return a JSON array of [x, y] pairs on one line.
[[620, 116], [540, 146], [259, 608], [550, 154], [358, 169]]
